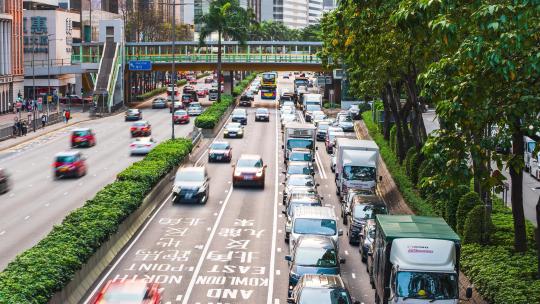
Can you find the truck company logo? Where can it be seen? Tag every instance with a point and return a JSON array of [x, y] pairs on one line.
[[419, 249]]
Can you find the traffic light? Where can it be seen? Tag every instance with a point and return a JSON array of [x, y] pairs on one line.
[[82, 91]]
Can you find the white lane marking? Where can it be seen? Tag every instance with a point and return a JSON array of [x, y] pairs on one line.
[[274, 223], [205, 250], [353, 275], [346, 252], [2, 232], [276, 301], [26, 217], [215, 214], [47, 204], [98, 286], [178, 297], [318, 162], [278, 272], [278, 249], [220, 202]]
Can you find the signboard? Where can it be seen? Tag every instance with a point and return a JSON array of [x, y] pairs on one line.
[[140, 65], [49, 98], [338, 73], [328, 79], [321, 80], [39, 100]]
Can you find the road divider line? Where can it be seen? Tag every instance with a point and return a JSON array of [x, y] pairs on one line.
[[133, 241], [319, 162], [206, 247], [270, 297]]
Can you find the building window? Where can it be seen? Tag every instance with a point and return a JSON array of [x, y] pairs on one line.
[[2, 6], [39, 25]]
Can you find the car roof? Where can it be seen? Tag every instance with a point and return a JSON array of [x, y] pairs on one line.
[[250, 156], [304, 176], [81, 129], [141, 122], [298, 163], [316, 241], [301, 150], [190, 169], [236, 124], [220, 142], [262, 109], [133, 110], [315, 212], [368, 199], [147, 138], [322, 281], [67, 153]]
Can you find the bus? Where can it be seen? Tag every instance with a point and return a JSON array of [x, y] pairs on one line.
[[269, 85]]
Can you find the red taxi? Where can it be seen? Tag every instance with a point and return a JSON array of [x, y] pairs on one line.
[[181, 117], [83, 137], [202, 92], [249, 171], [141, 128], [129, 292], [71, 163]]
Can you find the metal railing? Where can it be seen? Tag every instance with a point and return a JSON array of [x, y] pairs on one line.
[[52, 63], [7, 130]]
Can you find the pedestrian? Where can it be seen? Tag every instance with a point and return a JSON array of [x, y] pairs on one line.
[[19, 128], [64, 116], [43, 120], [68, 115], [14, 129], [24, 128]]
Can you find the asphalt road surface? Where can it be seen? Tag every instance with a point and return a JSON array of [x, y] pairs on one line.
[[232, 249], [36, 201]]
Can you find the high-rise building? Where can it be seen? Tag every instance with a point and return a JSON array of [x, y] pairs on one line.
[[292, 13], [328, 5], [11, 53], [315, 11]]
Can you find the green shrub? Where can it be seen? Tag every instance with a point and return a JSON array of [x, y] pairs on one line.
[[393, 138], [407, 161], [211, 116], [39, 272], [152, 93], [415, 165], [453, 203], [466, 203], [477, 227]]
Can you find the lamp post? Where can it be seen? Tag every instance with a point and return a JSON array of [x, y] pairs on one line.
[[48, 69]]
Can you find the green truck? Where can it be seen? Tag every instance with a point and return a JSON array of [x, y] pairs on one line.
[[415, 259]]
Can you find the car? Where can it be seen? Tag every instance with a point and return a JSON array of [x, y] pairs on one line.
[[142, 145], [304, 191], [194, 109], [262, 114], [285, 76], [354, 111], [70, 163], [212, 94], [358, 215], [191, 185], [133, 114], [313, 255], [358, 196], [246, 99], [367, 235], [346, 123], [219, 151], [288, 104], [318, 116], [299, 167], [188, 98], [208, 80], [331, 135], [177, 105], [5, 182], [141, 129], [287, 110], [254, 88], [233, 129], [202, 92], [181, 117], [249, 170], [320, 289], [188, 89], [309, 110], [297, 180], [159, 103], [349, 198], [288, 118], [301, 154], [322, 128], [83, 137], [297, 200], [132, 291], [239, 115]]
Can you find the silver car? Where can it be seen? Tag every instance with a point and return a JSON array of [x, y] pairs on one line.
[[194, 109], [142, 145]]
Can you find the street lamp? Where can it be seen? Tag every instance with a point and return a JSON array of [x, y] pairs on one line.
[[48, 68]]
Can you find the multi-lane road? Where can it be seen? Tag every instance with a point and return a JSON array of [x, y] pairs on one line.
[[36, 201], [232, 249]]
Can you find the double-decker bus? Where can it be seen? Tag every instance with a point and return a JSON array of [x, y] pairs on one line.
[[269, 85]]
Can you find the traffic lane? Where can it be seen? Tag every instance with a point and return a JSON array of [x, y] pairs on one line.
[[37, 201], [148, 257], [235, 267]]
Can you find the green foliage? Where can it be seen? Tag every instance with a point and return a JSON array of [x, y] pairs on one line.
[[276, 31], [393, 140], [466, 204], [415, 164], [152, 93], [36, 274], [477, 226], [328, 105], [452, 204], [407, 162]]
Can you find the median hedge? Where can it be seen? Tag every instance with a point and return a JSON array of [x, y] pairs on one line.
[[499, 274], [41, 271], [242, 85]]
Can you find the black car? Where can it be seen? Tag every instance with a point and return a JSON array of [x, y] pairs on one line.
[[313, 255], [350, 197], [4, 181], [220, 151], [262, 114], [191, 184], [239, 115], [321, 289], [133, 114], [246, 99], [359, 215]]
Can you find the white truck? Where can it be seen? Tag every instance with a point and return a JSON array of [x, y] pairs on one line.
[[299, 135], [314, 99], [356, 164]]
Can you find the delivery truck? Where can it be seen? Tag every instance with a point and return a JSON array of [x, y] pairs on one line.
[[356, 163], [415, 260], [299, 135]]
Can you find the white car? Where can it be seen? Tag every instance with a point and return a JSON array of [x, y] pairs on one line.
[[194, 108], [287, 110], [287, 118], [233, 129], [288, 104], [142, 145], [254, 89], [317, 116]]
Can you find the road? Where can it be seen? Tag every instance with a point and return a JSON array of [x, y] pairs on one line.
[[37, 201], [531, 186], [232, 249]]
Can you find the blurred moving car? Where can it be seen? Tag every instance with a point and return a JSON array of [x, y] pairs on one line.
[[69, 163], [246, 99], [188, 98], [141, 129], [254, 88], [181, 117], [133, 114], [202, 92], [212, 94], [239, 115], [321, 289], [138, 291], [233, 129], [249, 171], [4, 181], [83, 137], [178, 104], [262, 114], [194, 109], [191, 184], [354, 111], [220, 151], [159, 103], [142, 145]]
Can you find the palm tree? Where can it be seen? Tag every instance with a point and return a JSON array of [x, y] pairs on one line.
[[228, 19]]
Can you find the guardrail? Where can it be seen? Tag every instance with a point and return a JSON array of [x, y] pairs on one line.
[[212, 58], [7, 131]]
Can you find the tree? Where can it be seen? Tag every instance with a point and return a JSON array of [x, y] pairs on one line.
[[227, 18]]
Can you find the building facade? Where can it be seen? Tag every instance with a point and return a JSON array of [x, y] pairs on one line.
[[11, 55], [315, 10]]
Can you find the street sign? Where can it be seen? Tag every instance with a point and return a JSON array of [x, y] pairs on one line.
[[49, 98], [328, 79], [140, 65], [39, 100]]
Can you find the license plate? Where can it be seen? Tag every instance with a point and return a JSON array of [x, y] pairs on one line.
[[63, 169], [248, 177], [232, 135], [218, 157], [189, 195]]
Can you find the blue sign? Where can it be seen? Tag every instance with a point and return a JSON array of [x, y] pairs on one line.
[[140, 65]]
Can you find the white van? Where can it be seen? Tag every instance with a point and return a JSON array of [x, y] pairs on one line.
[[310, 220]]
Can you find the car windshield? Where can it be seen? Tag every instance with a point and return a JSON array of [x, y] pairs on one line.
[[180, 113], [300, 202], [195, 106], [262, 111], [359, 173], [312, 107], [139, 124], [80, 133], [298, 169], [233, 125], [133, 111], [345, 118], [239, 112], [363, 212], [299, 143], [371, 232], [249, 162], [324, 296], [315, 226], [427, 285], [323, 126], [315, 257], [300, 180], [189, 176], [531, 146], [66, 158], [300, 156], [124, 296], [220, 146]]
